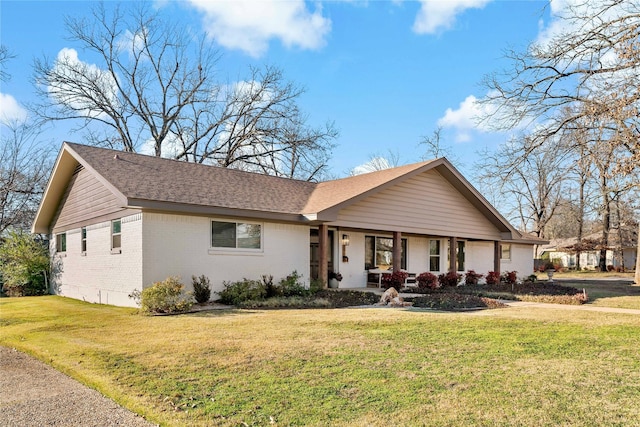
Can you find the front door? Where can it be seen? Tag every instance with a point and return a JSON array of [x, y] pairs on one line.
[[314, 255]]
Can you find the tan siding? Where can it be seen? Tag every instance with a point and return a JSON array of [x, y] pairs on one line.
[[424, 204], [84, 199]]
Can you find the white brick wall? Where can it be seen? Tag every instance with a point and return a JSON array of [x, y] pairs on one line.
[[521, 260], [179, 245], [100, 276]]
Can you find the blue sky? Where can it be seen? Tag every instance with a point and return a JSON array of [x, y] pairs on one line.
[[387, 72]]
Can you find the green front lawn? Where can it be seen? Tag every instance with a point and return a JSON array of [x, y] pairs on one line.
[[514, 366]]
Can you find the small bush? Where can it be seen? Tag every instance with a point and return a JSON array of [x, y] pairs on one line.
[[450, 279], [24, 261], [427, 281], [315, 286], [201, 289], [509, 277], [291, 286], [532, 278], [472, 278], [493, 278], [270, 289], [394, 280], [165, 297], [244, 290]]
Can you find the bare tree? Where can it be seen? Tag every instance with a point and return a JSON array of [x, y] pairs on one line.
[[585, 77], [377, 162], [434, 147], [154, 85], [256, 125], [24, 170], [535, 182], [5, 55]]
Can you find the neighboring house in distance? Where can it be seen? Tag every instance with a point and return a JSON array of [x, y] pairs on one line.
[[121, 221], [621, 250]]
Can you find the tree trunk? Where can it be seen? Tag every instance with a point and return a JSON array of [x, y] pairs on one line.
[[606, 223], [637, 279], [583, 182]]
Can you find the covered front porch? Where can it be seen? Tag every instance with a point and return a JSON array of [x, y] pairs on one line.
[[361, 256]]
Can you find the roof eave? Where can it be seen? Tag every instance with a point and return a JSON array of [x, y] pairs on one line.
[[182, 208]]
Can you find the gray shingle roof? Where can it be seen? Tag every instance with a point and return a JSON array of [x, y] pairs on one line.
[[141, 177]]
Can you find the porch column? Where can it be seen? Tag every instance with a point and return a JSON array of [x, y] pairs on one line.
[[397, 250], [323, 262], [453, 258], [496, 257]]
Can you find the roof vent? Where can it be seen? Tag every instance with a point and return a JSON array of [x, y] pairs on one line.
[[116, 157]]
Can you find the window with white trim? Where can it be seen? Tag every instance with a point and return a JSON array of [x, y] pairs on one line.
[[61, 242], [379, 253], [236, 235], [434, 255], [505, 251], [116, 235], [83, 240]]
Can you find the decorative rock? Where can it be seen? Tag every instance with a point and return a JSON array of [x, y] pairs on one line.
[[392, 299]]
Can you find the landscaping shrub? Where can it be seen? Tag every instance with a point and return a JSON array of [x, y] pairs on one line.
[[394, 280], [509, 277], [270, 289], [493, 278], [165, 297], [472, 278], [427, 281], [244, 290], [292, 286], [454, 301], [24, 261], [450, 279], [201, 289], [287, 302]]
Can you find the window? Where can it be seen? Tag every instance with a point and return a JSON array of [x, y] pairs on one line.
[[61, 242], [236, 235], [379, 253], [83, 244], [116, 235], [434, 255], [505, 251]]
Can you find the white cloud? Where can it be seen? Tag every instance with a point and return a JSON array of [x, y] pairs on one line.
[[466, 118], [249, 25], [10, 110], [436, 15]]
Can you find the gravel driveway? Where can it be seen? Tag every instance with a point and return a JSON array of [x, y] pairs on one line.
[[34, 394]]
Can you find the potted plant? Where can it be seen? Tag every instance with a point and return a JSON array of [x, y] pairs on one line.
[[334, 279]]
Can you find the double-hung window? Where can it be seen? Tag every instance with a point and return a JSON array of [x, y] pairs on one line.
[[61, 242], [434, 255], [236, 235], [83, 240], [505, 251], [116, 235]]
